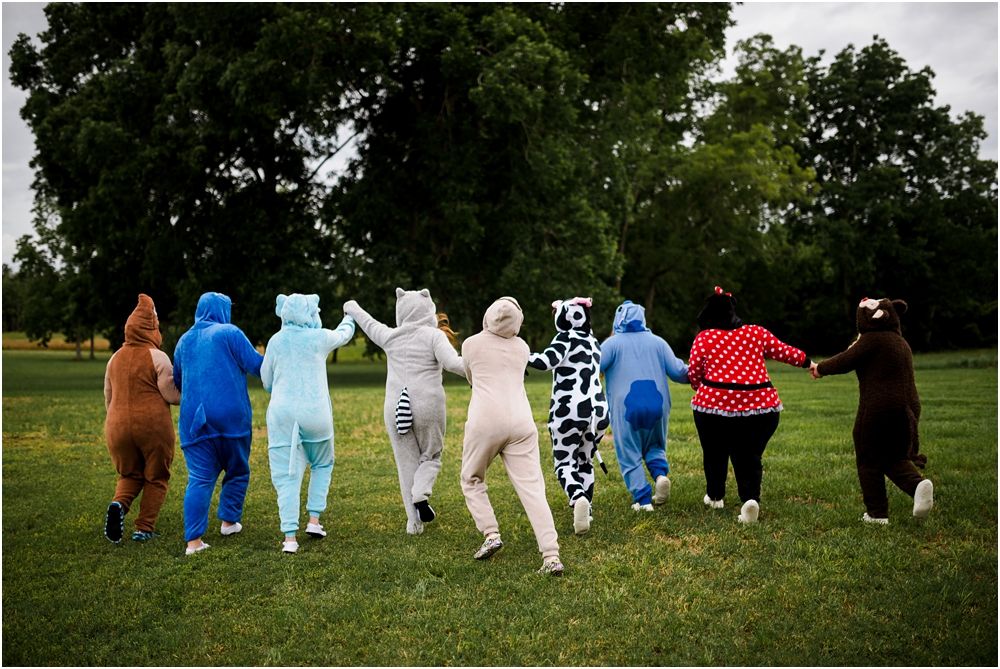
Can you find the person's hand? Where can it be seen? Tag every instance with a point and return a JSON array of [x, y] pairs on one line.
[[814, 371]]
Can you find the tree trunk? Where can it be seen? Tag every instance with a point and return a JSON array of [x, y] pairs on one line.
[[78, 342]]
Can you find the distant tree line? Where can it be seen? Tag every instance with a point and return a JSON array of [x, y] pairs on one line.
[[536, 150]]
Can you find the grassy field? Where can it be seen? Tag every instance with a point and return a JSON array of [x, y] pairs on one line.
[[808, 585]]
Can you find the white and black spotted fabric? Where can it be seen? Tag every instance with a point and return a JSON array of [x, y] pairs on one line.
[[578, 410]]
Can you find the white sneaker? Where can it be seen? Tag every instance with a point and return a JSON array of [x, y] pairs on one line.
[[713, 503], [289, 546], [315, 530], [749, 512], [662, 493], [878, 521], [232, 529], [192, 551], [923, 499], [581, 516], [642, 507]]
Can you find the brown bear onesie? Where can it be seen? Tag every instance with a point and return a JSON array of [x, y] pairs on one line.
[[138, 391], [885, 430]]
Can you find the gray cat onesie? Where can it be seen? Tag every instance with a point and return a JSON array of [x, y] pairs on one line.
[[415, 351]]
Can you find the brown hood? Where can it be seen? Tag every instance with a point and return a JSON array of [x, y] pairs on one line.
[[143, 327], [503, 318]]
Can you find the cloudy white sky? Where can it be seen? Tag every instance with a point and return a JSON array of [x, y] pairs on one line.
[[957, 40]]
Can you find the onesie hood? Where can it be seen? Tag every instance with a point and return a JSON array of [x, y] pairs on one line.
[[213, 308], [143, 327], [719, 312], [573, 314], [880, 314], [297, 310], [503, 318], [630, 317], [415, 307]]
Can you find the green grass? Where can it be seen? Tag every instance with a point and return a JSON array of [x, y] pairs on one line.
[[808, 585]]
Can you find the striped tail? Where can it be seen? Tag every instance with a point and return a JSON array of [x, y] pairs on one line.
[[404, 417]]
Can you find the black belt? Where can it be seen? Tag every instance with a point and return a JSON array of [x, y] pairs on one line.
[[736, 386]]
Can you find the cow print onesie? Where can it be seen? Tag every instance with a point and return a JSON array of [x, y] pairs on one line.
[[578, 410]]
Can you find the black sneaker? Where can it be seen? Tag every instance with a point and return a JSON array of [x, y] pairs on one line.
[[425, 511], [114, 524], [143, 536]]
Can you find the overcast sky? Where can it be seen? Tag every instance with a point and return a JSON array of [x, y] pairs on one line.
[[957, 40]]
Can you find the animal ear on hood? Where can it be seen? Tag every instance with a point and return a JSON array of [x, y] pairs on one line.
[[399, 293], [313, 300], [900, 307], [425, 292], [278, 303]]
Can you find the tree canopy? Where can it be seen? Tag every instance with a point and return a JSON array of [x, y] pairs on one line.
[[537, 150]]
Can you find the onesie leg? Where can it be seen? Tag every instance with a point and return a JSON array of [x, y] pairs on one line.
[[872, 484], [320, 455], [628, 448], [715, 452], [129, 463], [158, 454], [430, 444], [476, 459], [585, 466], [203, 471], [404, 448], [235, 454], [287, 484], [521, 460], [902, 473], [564, 454], [750, 435]]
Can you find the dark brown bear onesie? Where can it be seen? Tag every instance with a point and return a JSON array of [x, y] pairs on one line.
[[138, 391], [885, 430]]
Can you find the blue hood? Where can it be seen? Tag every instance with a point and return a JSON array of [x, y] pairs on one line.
[[630, 317], [213, 308], [298, 310]]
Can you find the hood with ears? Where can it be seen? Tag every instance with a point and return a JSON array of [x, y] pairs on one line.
[[503, 318], [213, 308], [882, 314], [143, 327], [415, 307], [298, 310], [573, 314], [629, 317]]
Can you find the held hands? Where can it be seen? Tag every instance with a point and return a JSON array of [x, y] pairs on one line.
[[813, 371]]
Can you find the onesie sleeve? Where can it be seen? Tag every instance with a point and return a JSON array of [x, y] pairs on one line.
[[465, 364], [267, 368], [846, 361], [551, 357], [696, 368], [177, 363], [246, 355], [676, 370], [165, 377], [376, 331], [340, 335], [776, 349], [107, 384], [607, 354], [446, 355]]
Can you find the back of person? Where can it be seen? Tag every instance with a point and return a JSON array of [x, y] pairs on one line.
[[135, 375]]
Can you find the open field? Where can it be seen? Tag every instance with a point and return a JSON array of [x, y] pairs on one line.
[[810, 584], [18, 341]]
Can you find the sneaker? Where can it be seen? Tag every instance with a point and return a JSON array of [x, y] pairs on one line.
[[749, 512], [315, 530], [114, 524], [923, 499], [232, 529], [489, 547], [712, 503], [143, 536], [552, 566], [425, 511], [642, 507], [289, 546], [581, 516], [192, 551], [662, 493], [877, 521]]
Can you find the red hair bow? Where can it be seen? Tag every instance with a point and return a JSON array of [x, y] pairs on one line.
[[718, 291]]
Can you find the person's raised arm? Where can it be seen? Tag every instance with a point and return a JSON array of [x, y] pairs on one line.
[[697, 360], [846, 361], [775, 349], [341, 334], [245, 354], [376, 331], [447, 356], [553, 356], [675, 368]]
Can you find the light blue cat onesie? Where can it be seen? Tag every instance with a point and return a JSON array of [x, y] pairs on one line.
[[300, 415], [636, 364]]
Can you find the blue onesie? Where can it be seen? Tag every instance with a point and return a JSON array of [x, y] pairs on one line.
[[636, 364], [300, 415], [211, 363]]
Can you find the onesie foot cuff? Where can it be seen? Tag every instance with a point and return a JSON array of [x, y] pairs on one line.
[[581, 516], [923, 499], [425, 511]]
